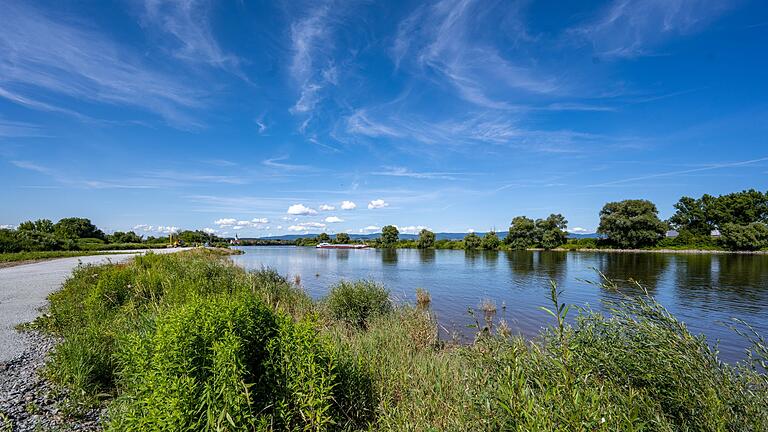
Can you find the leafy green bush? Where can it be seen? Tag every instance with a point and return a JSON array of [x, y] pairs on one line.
[[355, 303], [753, 236]]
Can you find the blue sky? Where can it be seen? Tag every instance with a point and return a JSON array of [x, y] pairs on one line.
[[267, 118]]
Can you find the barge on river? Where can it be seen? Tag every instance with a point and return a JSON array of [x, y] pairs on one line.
[[341, 246]]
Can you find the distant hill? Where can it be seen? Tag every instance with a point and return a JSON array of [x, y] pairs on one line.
[[438, 236]]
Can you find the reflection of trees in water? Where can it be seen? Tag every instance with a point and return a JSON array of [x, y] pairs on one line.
[[426, 256], [723, 281], [645, 268], [342, 254], [471, 257], [389, 256], [490, 258], [529, 267]]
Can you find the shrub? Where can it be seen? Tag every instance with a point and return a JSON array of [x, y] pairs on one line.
[[355, 303], [753, 236]]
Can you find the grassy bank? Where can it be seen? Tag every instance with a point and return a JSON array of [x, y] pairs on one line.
[[189, 341]]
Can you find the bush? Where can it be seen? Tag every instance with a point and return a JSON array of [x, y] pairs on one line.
[[224, 363], [355, 303], [753, 236]]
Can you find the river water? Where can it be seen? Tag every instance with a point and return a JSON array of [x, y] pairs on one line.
[[703, 290]]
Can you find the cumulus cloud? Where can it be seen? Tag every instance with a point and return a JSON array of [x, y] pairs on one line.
[[348, 205], [167, 229], [579, 230], [377, 204], [209, 230], [7, 227], [326, 207], [334, 219], [301, 209], [258, 223], [370, 229], [412, 229], [306, 226]]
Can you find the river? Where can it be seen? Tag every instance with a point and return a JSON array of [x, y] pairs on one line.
[[703, 290]]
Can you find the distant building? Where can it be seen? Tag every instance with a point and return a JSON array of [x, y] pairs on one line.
[[235, 241], [672, 234], [715, 233]]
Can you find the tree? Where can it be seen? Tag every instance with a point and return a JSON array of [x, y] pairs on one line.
[[631, 223], [342, 238], [752, 236], [426, 239], [472, 241], [124, 237], [389, 236], [323, 238], [550, 232], [490, 241], [40, 225], [522, 233], [700, 216], [75, 228]]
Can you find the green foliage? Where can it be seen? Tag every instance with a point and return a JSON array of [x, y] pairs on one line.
[[522, 233], [75, 228], [631, 223], [124, 237], [472, 241], [190, 342], [355, 303], [323, 238], [490, 241], [389, 236], [547, 233], [753, 236], [40, 225], [197, 237], [343, 238], [426, 239], [707, 213]]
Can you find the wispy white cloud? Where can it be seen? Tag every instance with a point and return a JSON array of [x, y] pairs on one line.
[[411, 229], [438, 38], [626, 29], [43, 52], [579, 230], [369, 229], [714, 166], [405, 172], [7, 226], [334, 219], [187, 22], [306, 226], [277, 163], [326, 207], [258, 223]]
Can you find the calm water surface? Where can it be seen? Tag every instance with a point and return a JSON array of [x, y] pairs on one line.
[[702, 290]]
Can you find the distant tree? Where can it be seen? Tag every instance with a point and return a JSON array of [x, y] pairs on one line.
[[701, 216], [426, 239], [124, 237], [40, 225], [550, 232], [522, 233], [490, 241], [323, 238], [752, 236], [472, 241], [74, 228], [389, 236], [631, 223], [342, 238]]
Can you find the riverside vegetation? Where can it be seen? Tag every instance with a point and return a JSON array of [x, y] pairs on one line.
[[740, 221], [190, 341]]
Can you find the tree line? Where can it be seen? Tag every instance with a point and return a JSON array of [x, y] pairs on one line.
[[736, 221], [81, 234]]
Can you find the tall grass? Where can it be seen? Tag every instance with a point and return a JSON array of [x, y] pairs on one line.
[[190, 342]]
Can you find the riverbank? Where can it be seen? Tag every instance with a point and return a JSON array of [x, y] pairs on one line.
[[183, 353], [664, 251]]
